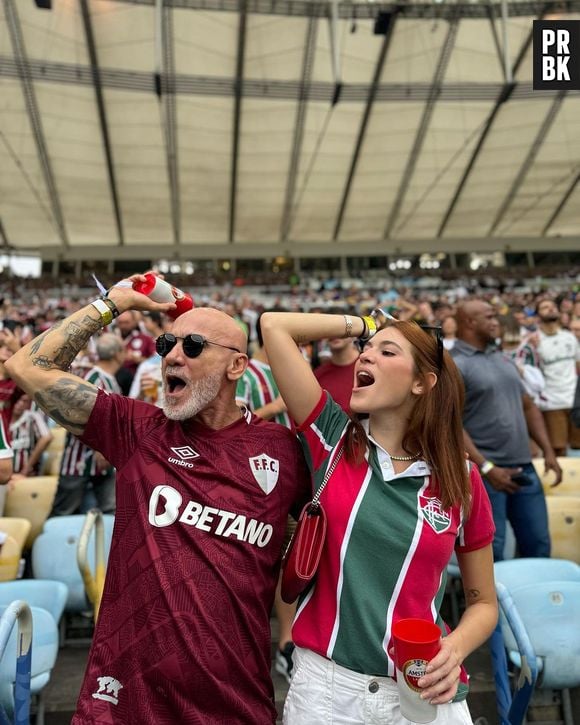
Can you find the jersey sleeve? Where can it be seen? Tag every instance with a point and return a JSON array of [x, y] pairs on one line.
[[40, 425], [478, 529], [321, 431], [243, 391], [117, 425], [5, 448]]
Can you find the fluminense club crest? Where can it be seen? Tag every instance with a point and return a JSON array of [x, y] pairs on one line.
[[265, 470], [437, 518]]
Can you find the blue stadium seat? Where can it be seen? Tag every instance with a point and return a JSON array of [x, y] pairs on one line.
[[539, 614], [44, 650], [54, 556]]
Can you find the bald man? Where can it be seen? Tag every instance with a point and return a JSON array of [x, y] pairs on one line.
[[203, 492], [498, 417]]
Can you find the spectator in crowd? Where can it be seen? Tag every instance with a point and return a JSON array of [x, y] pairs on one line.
[[138, 347], [30, 437], [257, 390], [147, 384], [9, 392], [449, 331], [525, 356], [558, 353], [575, 330], [497, 416], [336, 375], [84, 471], [6, 469], [203, 492], [399, 501], [575, 414]]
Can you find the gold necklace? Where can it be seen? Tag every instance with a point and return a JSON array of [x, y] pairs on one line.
[[404, 458]]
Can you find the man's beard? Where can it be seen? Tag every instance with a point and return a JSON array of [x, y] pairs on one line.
[[550, 318], [201, 394]]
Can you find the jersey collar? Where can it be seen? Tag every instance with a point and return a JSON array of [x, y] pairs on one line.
[[416, 468]]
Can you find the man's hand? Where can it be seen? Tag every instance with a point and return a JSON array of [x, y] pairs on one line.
[[551, 464], [501, 479], [125, 297]]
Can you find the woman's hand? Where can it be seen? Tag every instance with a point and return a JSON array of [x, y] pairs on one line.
[[441, 679]]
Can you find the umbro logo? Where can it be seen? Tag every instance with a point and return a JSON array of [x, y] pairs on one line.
[[185, 452], [184, 455]]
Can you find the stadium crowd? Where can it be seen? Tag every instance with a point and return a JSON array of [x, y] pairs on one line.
[[513, 413]]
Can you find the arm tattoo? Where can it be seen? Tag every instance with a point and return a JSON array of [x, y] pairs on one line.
[[35, 344], [473, 594], [76, 335], [68, 402]]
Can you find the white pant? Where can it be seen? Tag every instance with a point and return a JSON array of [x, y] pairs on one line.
[[324, 693]]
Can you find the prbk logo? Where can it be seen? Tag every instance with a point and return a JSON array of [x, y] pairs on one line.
[[185, 454], [557, 55]]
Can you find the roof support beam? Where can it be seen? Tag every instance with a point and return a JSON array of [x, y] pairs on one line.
[[102, 113], [505, 94], [25, 76], [434, 91], [561, 205], [528, 161], [360, 10], [307, 63], [223, 86], [242, 24], [165, 87], [379, 65]]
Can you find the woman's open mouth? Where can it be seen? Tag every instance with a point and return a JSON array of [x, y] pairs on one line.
[[363, 379]]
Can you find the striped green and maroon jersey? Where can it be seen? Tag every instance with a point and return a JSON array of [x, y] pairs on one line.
[[77, 458], [387, 548], [5, 447], [257, 387]]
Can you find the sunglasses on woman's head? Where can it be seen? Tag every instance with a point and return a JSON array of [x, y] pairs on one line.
[[383, 318], [192, 344], [436, 332]]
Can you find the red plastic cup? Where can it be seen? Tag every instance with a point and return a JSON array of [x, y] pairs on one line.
[[416, 641]]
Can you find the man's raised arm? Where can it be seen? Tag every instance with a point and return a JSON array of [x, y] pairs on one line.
[[40, 367]]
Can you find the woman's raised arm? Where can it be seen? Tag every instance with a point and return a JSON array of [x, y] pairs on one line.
[[283, 332]]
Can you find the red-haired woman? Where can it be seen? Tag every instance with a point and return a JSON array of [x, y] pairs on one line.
[[400, 501]]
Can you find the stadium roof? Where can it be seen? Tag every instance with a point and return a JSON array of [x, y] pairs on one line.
[[248, 128]]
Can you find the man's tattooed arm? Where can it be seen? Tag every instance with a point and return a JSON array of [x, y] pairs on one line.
[[69, 402], [40, 368], [49, 353]]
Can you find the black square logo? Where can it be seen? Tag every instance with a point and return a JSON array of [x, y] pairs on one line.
[[557, 55]]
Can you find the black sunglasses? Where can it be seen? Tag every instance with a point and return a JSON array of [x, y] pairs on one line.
[[436, 332], [192, 344]]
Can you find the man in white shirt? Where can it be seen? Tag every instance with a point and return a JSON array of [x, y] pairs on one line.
[[558, 351]]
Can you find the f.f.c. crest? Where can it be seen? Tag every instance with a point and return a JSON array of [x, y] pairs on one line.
[[265, 471]]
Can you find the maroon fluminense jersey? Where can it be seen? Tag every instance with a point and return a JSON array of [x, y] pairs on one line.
[[183, 634]]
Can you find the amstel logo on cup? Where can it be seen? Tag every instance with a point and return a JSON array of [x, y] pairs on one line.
[[177, 293], [413, 670]]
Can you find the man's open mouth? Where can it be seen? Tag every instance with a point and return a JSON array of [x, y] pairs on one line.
[[174, 383]]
